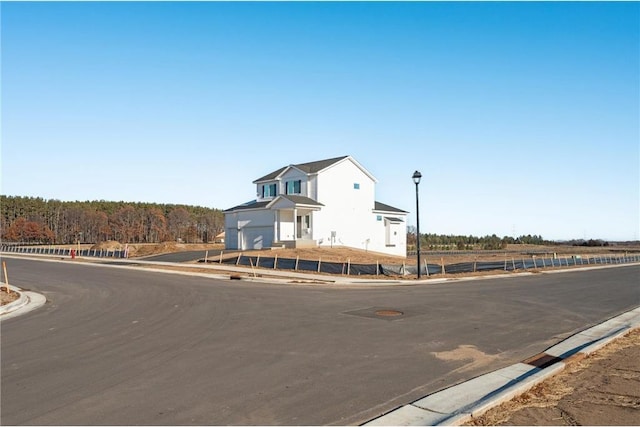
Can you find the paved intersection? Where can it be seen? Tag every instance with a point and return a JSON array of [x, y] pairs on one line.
[[129, 347]]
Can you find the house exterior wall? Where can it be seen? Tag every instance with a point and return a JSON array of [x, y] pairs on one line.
[[287, 225], [378, 232], [259, 186], [293, 175], [347, 210]]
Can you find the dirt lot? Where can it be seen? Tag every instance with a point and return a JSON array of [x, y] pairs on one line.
[[356, 256], [602, 389]]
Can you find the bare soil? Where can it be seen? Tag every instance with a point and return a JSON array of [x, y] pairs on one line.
[[518, 252], [602, 389], [145, 249], [335, 254], [6, 298]]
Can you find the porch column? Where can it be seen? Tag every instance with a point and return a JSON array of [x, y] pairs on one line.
[[295, 224], [276, 227]]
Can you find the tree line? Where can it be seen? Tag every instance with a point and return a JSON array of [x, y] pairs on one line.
[[36, 220], [460, 242]]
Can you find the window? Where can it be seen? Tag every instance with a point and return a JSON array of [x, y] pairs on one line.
[[293, 187], [379, 218], [269, 190], [356, 186]]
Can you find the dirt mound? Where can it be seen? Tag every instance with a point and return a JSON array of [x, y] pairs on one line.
[[110, 245]]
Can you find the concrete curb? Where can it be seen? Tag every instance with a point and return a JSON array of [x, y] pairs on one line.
[[15, 305], [463, 402], [26, 302]]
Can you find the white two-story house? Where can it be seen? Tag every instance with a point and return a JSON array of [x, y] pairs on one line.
[[324, 203]]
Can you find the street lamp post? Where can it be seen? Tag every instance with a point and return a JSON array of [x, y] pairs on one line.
[[416, 179]]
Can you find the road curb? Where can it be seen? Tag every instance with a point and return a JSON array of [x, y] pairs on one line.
[[14, 305], [462, 402], [26, 302]]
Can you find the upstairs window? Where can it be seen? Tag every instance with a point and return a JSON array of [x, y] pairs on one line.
[[356, 186], [293, 187], [269, 190]]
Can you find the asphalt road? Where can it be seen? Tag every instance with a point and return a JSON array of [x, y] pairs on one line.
[[125, 347]]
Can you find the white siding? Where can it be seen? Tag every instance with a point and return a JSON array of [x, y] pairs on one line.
[[287, 226], [293, 175], [347, 210]]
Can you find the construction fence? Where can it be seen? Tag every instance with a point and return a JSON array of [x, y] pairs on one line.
[[427, 269], [97, 253]]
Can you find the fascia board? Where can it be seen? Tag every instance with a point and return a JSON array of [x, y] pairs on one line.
[[396, 213]]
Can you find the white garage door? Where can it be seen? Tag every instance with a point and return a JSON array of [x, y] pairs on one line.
[[231, 238], [256, 237]]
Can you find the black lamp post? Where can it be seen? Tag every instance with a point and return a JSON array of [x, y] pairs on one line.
[[416, 179]]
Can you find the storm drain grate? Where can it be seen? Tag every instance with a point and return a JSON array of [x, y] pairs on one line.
[[542, 360], [382, 313]]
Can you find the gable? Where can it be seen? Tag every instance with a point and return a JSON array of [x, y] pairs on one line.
[[311, 168]]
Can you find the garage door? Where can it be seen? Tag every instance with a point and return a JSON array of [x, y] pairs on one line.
[[256, 237]]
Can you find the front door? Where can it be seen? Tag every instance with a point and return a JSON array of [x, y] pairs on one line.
[[303, 227]]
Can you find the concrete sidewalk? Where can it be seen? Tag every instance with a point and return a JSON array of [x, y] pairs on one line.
[[461, 403]]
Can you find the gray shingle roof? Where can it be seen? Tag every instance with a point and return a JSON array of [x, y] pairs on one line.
[[310, 167], [393, 219], [249, 205], [386, 208], [298, 200], [272, 175], [301, 200], [313, 167]]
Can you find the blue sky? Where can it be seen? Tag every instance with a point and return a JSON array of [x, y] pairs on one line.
[[524, 118]]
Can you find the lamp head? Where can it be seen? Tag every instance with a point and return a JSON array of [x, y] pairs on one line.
[[416, 177]]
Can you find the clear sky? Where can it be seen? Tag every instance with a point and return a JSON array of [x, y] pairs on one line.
[[524, 118]]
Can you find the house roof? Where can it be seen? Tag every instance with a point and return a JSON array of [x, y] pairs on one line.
[[310, 167], [392, 219], [249, 205], [296, 200], [314, 167], [301, 200], [272, 175], [386, 208]]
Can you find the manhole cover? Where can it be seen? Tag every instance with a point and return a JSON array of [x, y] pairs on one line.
[[389, 313], [385, 313]]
